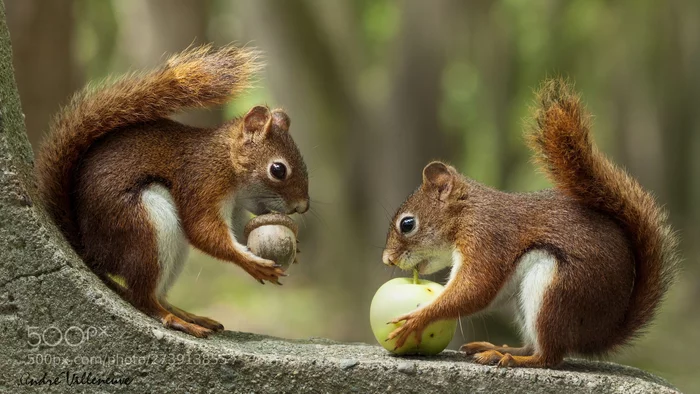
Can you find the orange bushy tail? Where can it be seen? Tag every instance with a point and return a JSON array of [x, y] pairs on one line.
[[561, 138], [197, 77]]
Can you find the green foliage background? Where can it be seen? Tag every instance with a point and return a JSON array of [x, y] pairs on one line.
[[376, 89]]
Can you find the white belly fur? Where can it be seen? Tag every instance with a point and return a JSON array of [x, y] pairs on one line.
[[527, 287], [173, 246]]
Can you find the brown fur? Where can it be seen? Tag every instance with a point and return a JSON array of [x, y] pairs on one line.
[[614, 251], [113, 141]]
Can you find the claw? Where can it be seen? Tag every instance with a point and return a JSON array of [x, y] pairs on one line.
[[506, 361], [398, 320], [262, 282], [396, 333]]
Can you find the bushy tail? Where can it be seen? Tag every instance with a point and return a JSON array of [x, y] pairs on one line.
[[561, 139], [197, 77]]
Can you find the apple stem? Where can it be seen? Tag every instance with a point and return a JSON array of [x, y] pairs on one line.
[[415, 276]]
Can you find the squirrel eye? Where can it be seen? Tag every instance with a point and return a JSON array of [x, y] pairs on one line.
[[278, 170], [407, 224]]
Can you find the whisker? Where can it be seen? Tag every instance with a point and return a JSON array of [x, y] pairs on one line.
[[319, 218], [385, 247], [461, 329], [386, 212], [259, 198]]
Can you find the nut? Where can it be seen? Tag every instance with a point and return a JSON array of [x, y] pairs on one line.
[[274, 237]]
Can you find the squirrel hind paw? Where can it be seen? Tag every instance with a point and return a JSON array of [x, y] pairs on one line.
[[173, 322]]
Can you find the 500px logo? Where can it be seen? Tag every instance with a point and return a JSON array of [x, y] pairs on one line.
[[52, 336]]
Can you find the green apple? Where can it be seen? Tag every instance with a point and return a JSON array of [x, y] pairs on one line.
[[403, 295]]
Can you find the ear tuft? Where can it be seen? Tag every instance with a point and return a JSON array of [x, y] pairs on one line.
[[437, 175], [257, 119], [280, 119]]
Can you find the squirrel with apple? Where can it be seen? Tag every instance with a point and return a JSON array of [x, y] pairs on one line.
[[586, 263]]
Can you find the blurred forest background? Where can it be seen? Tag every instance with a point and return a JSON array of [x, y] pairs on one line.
[[376, 89]]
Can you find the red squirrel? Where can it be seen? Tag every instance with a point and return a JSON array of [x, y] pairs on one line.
[[130, 189], [586, 263]]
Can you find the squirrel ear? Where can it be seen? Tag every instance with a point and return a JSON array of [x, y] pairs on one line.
[[280, 119], [257, 120], [438, 176]]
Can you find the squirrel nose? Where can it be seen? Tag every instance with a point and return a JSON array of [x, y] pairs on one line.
[[302, 206], [386, 258]]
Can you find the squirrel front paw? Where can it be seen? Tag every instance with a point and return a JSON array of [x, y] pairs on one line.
[[414, 323], [263, 270]]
